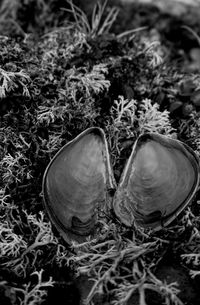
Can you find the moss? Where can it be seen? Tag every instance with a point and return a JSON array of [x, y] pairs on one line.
[[57, 78]]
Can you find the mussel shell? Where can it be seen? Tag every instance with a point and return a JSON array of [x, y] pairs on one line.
[[159, 180], [76, 184]]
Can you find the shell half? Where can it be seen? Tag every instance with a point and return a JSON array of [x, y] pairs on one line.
[[76, 184], [159, 180]]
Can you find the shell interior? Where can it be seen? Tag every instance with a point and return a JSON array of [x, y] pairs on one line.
[[75, 183], [159, 180]]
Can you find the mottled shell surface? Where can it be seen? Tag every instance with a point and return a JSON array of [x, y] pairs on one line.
[[160, 178], [75, 185]]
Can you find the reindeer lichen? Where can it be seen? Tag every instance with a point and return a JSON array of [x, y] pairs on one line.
[[62, 72]]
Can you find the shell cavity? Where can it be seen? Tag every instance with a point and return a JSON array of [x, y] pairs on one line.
[[159, 180], [75, 185]]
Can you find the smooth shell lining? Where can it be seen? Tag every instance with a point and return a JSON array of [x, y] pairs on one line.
[[76, 180], [160, 179]]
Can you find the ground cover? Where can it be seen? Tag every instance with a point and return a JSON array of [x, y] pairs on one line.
[[61, 73]]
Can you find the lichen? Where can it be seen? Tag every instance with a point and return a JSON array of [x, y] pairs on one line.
[[59, 76]]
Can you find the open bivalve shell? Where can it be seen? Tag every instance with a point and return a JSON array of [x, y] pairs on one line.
[[159, 180], [76, 185]]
